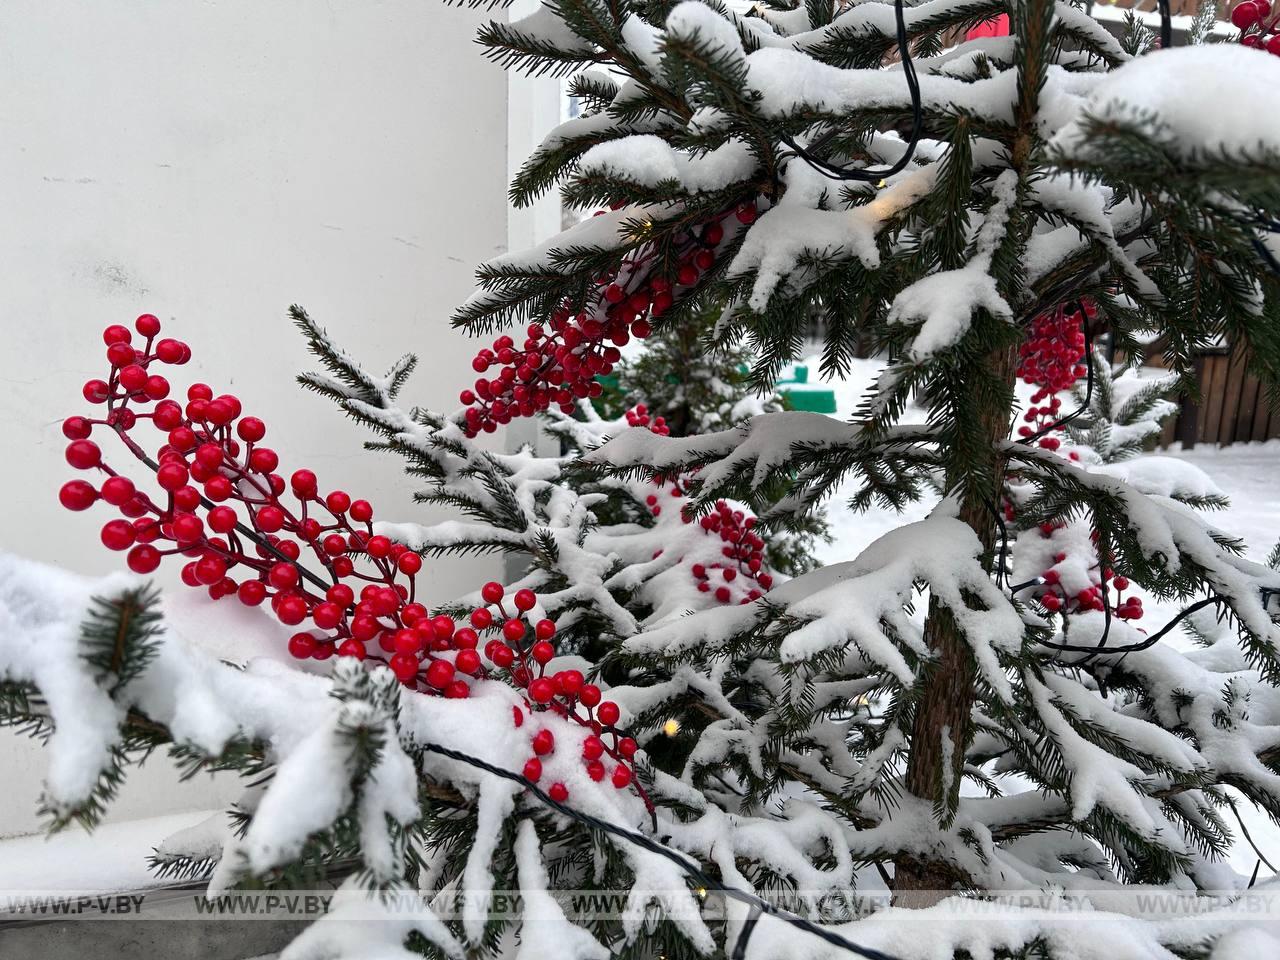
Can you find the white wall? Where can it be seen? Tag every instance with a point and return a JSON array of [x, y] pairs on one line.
[[212, 162]]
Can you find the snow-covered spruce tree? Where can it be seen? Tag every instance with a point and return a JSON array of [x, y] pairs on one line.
[[834, 731], [1050, 167]]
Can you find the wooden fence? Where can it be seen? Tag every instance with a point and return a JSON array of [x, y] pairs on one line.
[[1232, 407]]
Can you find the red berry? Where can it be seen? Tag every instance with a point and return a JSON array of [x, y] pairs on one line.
[[533, 769], [542, 690], [481, 619], [621, 777], [148, 325], [337, 502], [76, 428], [351, 647], [513, 630], [378, 547], [558, 792], [524, 600], [569, 682], [291, 610], [171, 351], [361, 511], [283, 576], [440, 674], [77, 495], [592, 748], [263, 460], [545, 629], [746, 213], [118, 535], [172, 475], [303, 483], [143, 558], [590, 695], [121, 354], [543, 742], [503, 656], [1243, 16], [218, 488], [252, 593], [327, 615], [187, 528], [83, 454], [468, 662], [96, 391], [608, 713], [210, 569], [156, 387], [465, 639], [251, 429], [458, 690], [627, 747], [595, 770], [492, 592], [270, 519], [118, 491], [404, 666], [409, 563], [301, 645], [133, 378]]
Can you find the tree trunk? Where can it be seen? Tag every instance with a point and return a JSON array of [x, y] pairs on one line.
[[944, 710]]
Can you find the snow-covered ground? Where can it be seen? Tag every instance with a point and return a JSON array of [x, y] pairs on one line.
[[1249, 474]]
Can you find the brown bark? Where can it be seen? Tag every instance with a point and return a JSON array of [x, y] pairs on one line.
[[946, 701]]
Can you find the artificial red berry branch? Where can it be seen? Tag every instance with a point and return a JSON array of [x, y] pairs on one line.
[[1053, 359], [559, 365], [222, 506], [1258, 24]]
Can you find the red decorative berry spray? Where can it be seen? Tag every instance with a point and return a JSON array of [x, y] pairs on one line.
[[1052, 360], [219, 503], [1258, 24], [559, 365]]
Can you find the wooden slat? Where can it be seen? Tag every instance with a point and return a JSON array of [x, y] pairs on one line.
[[1231, 392], [1261, 417], [1189, 413], [1211, 406], [1244, 416]]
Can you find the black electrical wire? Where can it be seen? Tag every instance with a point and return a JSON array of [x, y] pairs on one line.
[[1166, 26], [834, 172], [1150, 641], [758, 905]]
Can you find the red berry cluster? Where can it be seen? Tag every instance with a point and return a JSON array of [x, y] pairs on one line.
[[1258, 25], [1055, 599], [1050, 360], [565, 692], [741, 574], [559, 365], [638, 416], [222, 506]]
